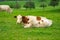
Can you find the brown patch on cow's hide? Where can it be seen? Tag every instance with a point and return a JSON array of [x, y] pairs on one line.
[[38, 18], [38, 22], [42, 20], [25, 19]]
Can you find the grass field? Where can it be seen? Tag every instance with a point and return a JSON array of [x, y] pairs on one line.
[[9, 30]]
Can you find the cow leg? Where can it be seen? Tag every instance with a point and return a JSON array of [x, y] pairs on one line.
[[27, 25]]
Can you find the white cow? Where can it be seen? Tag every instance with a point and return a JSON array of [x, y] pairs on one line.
[[36, 21], [5, 8]]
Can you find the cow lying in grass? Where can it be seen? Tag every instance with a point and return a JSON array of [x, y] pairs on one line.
[[36, 21], [5, 8]]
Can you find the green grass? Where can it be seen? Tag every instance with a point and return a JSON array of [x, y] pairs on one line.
[[9, 30]]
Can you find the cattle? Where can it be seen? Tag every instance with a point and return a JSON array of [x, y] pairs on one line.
[[5, 8], [33, 21]]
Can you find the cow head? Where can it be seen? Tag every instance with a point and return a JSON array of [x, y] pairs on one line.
[[19, 18]]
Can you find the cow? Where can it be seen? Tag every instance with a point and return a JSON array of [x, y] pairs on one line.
[[35, 21], [5, 8]]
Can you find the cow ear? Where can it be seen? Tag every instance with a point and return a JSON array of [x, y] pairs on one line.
[[15, 16]]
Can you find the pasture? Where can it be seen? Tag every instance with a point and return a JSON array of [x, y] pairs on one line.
[[9, 30]]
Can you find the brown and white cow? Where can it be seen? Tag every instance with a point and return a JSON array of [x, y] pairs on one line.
[[5, 8], [36, 21]]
